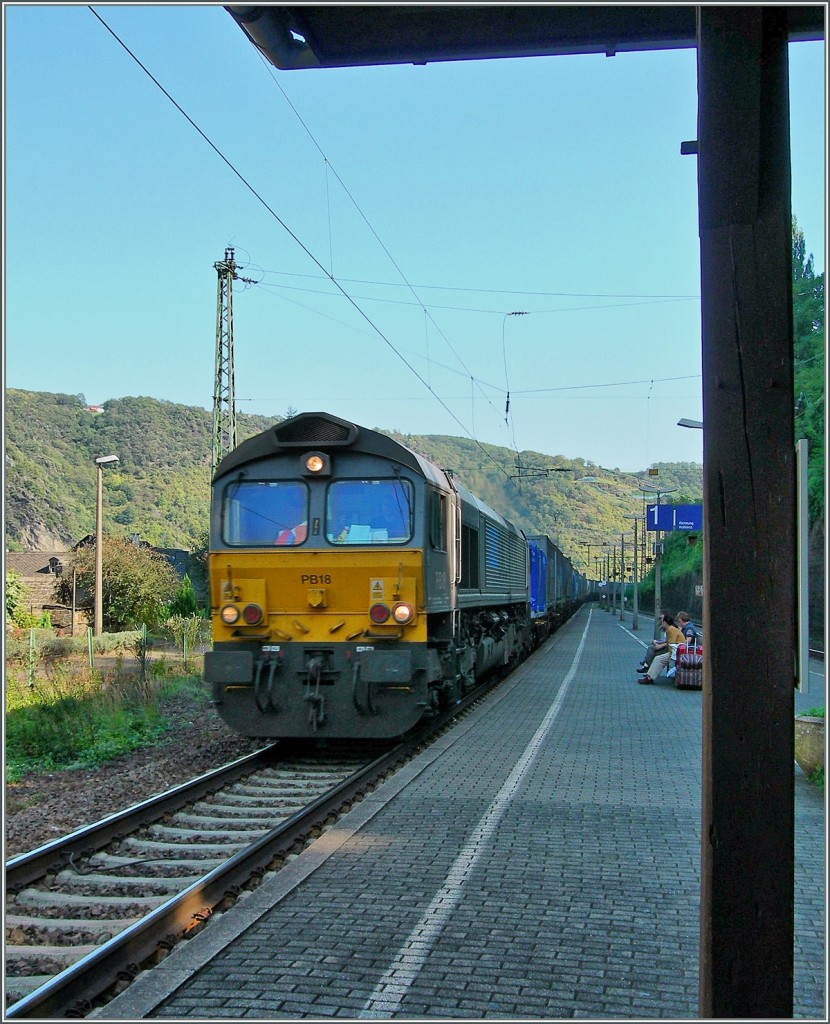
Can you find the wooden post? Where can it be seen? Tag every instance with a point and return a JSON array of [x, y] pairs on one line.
[[747, 861]]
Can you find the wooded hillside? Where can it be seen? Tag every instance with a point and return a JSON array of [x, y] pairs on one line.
[[160, 487]]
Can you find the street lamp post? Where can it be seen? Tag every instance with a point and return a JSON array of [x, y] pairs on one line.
[[614, 578], [607, 579], [622, 577], [103, 460], [635, 615]]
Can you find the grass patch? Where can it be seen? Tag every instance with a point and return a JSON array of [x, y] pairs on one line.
[[817, 778], [75, 719]]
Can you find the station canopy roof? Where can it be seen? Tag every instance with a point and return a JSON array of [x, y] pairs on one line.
[[348, 36]]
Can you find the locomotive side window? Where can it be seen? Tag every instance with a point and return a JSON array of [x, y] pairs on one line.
[[259, 513], [438, 521], [369, 512], [469, 558]]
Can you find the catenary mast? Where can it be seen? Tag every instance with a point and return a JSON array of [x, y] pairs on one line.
[[224, 402]]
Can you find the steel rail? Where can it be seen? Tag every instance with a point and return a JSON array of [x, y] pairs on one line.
[[27, 867], [70, 993]]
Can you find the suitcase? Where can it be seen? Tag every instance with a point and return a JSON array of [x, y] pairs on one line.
[[689, 674]]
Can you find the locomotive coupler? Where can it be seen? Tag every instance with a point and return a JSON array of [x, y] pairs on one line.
[[315, 699], [370, 708], [264, 693]]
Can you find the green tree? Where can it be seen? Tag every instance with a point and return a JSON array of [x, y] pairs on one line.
[[808, 343], [137, 584], [17, 597], [184, 602]]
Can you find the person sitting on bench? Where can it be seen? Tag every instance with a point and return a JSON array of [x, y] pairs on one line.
[[648, 657], [663, 649], [687, 628]]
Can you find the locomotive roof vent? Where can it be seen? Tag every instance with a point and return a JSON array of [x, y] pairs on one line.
[[314, 429]]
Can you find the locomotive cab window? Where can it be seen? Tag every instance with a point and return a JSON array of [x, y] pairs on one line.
[[260, 513], [369, 512]]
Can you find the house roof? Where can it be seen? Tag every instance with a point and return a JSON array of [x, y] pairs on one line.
[[32, 563]]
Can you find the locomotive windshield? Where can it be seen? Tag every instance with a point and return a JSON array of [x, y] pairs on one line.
[[369, 512], [258, 513]]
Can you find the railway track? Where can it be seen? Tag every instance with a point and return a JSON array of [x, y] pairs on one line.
[[86, 913], [83, 912]]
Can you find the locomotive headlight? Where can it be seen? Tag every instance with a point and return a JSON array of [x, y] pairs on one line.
[[229, 614], [252, 614], [315, 464], [379, 613], [403, 613]]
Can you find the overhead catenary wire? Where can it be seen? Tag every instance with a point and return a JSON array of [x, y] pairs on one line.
[[475, 309], [642, 299], [366, 221], [479, 382], [495, 291], [238, 174]]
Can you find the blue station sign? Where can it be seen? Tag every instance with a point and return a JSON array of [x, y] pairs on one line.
[[674, 517]]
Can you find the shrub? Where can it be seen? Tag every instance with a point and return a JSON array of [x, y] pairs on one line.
[[185, 633], [184, 603], [17, 599], [47, 645], [137, 584]]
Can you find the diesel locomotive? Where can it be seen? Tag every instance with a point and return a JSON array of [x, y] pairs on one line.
[[355, 587]]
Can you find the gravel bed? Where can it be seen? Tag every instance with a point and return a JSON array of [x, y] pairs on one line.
[[40, 808]]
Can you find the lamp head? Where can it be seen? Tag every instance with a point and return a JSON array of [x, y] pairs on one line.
[[106, 460]]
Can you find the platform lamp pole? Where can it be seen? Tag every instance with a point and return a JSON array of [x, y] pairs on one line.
[[103, 460], [622, 577], [607, 579], [635, 616], [614, 574]]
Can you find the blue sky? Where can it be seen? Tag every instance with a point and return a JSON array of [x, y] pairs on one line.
[[441, 198]]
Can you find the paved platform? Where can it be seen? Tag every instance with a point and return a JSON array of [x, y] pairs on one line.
[[540, 861]]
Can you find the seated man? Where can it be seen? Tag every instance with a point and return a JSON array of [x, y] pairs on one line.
[[687, 627], [663, 649], [648, 657]]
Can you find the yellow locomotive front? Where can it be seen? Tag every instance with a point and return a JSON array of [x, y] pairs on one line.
[[317, 596]]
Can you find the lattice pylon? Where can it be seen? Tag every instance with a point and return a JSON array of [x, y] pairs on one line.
[[224, 403]]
